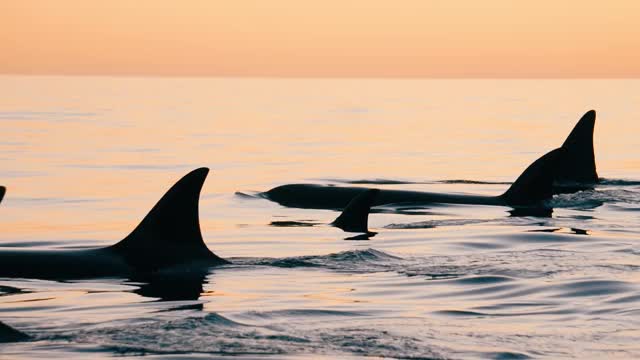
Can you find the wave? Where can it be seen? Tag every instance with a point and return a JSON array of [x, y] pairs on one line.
[[374, 261], [498, 266], [429, 224], [369, 260], [318, 313], [590, 199], [214, 334], [618, 182]]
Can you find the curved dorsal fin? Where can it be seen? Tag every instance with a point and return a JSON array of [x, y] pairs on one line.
[[581, 164], [355, 216], [536, 182], [170, 233], [3, 190]]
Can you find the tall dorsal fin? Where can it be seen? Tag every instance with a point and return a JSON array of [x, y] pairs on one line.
[[170, 233], [355, 216], [3, 190], [536, 182], [581, 164]]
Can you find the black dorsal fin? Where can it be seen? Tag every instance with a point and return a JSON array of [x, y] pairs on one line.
[[170, 233], [536, 182], [3, 190], [355, 217], [581, 164], [9, 334]]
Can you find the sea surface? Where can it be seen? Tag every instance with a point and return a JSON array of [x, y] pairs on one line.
[[85, 158]]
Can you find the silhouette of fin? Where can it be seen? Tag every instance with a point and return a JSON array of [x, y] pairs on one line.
[[9, 334], [170, 233], [536, 182], [3, 190], [581, 164], [355, 216]]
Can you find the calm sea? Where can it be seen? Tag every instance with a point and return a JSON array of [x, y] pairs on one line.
[[85, 158]]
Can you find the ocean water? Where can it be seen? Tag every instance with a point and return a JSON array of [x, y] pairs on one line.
[[85, 158]]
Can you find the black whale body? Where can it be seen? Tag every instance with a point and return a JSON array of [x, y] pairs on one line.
[[168, 236], [530, 189], [569, 168]]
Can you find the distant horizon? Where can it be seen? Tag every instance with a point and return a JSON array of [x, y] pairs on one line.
[[329, 39], [292, 77]]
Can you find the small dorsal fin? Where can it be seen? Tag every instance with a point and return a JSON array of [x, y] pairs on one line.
[[3, 190], [355, 216], [536, 182], [170, 233], [581, 164]]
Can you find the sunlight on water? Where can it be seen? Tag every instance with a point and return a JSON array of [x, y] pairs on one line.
[[84, 159]]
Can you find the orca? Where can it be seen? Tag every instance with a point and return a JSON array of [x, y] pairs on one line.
[[165, 251], [580, 164], [531, 188], [165, 245], [168, 236], [571, 171]]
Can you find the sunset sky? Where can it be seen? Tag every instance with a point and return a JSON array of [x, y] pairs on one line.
[[328, 38]]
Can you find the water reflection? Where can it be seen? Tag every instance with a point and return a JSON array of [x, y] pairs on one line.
[[575, 231], [176, 286], [531, 211], [303, 223], [366, 236]]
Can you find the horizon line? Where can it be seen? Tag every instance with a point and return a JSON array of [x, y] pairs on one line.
[[320, 77]]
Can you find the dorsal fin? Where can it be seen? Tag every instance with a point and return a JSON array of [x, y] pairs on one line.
[[355, 216], [536, 182], [170, 233], [3, 190], [9, 334], [581, 164]]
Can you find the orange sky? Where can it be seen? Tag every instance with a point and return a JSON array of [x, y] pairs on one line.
[[336, 38]]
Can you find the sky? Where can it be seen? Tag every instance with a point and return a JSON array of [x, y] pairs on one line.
[[323, 38]]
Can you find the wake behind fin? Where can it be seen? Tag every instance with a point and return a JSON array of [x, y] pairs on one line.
[[580, 165], [355, 216], [3, 190], [535, 184], [170, 233]]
